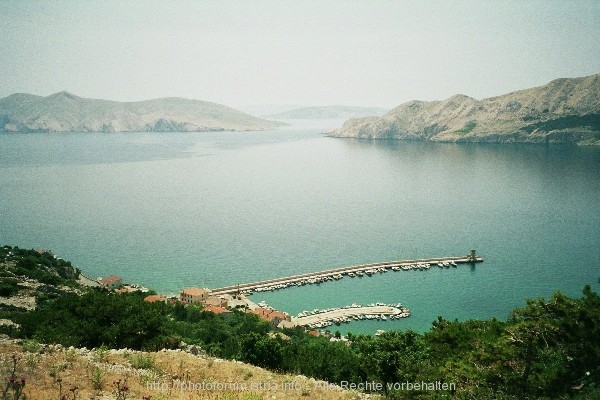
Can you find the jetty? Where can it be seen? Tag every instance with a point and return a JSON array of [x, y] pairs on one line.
[[355, 312], [355, 271]]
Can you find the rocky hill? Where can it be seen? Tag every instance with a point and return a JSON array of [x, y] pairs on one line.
[[45, 371], [563, 111], [28, 275], [329, 112], [65, 112]]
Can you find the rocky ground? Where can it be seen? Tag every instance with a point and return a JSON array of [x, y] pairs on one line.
[[55, 372]]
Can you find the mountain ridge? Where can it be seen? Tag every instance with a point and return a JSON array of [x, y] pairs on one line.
[[566, 110], [335, 111], [66, 112]]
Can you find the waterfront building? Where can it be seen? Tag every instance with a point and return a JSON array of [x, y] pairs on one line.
[[193, 295], [111, 282]]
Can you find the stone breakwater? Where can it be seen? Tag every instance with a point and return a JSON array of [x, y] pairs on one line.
[[351, 271], [355, 312]]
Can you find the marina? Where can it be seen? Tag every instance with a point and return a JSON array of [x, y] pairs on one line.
[[356, 271], [354, 312]]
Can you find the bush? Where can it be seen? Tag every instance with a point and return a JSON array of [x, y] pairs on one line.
[[9, 287], [97, 378], [142, 361]]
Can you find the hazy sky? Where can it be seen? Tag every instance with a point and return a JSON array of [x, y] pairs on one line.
[[371, 53]]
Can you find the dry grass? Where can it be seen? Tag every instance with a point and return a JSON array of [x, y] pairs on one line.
[[55, 372]]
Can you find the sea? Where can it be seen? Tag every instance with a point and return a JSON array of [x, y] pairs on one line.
[[175, 210]]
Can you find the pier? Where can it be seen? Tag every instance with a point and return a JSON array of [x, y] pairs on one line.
[[324, 318], [355, 271]]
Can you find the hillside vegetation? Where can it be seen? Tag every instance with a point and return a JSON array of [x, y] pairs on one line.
[[563, 111], [65, 112], [57, 372], [549, 349]]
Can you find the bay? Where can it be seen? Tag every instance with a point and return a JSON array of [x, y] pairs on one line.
[[174, 210]]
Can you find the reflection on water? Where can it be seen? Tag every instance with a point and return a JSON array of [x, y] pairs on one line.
[[171, 210]]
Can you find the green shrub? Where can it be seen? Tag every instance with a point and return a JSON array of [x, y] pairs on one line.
[[468, 128], [9, 287], [97, 378], [100, 354], [32, 346], [142, 361]]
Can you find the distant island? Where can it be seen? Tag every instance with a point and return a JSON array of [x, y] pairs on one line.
[[323, 112], [65, 112], [563, 111]]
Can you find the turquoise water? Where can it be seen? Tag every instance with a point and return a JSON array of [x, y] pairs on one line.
[[172, 210]]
